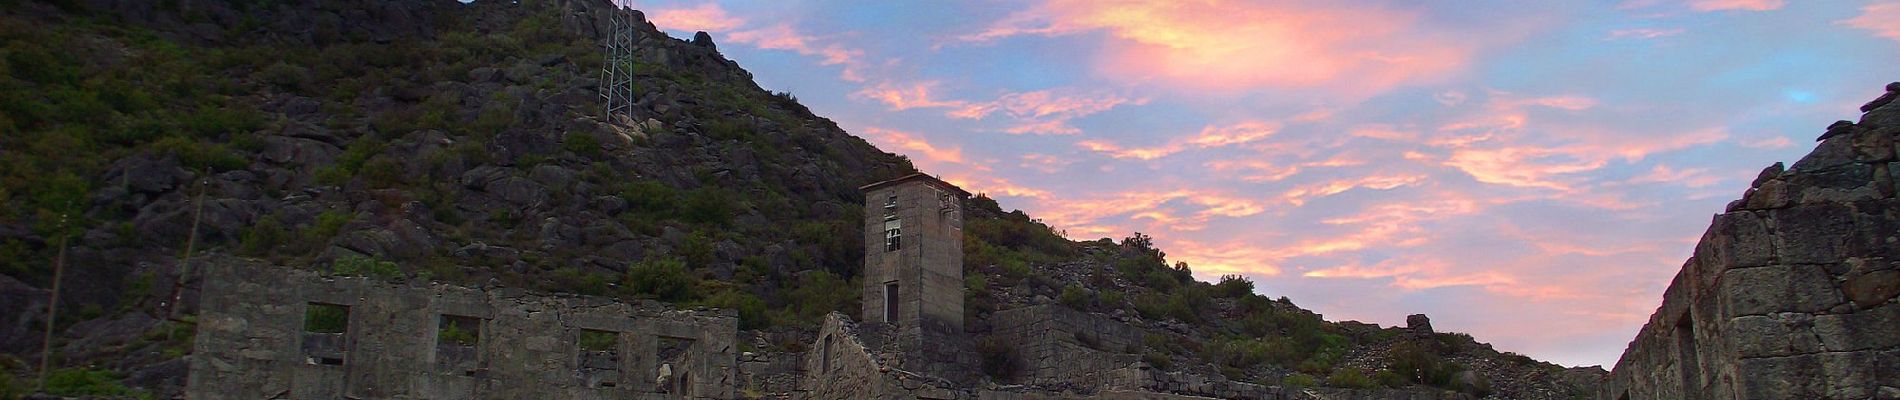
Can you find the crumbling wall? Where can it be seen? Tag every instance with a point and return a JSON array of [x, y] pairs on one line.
[[1057, 345], [839, 366], [253, 342], [1791, 292]]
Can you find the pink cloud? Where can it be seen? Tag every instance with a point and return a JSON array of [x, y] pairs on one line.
[[1883, 19], [1743, 5], [1690, 177], [781, 36], [707, 17], [1210, 136], [905, 97], [1223, 45], [1300, 195]]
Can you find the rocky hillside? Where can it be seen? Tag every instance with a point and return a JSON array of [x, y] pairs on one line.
[[430, 139]]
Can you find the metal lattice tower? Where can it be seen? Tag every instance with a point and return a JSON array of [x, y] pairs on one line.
[[616, 72]]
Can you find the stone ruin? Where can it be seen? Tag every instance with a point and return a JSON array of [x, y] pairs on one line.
[[1791, 294], [279, 333]]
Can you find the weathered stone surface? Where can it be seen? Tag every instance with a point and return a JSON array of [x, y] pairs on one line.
[[1790, 296], [252, 343], [1779, 288]]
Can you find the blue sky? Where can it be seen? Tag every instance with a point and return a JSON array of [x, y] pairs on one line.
[[1532, 173]]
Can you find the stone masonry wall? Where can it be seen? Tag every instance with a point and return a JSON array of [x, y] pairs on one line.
[[840, 366], [1058, 345], [252, 342], [1791, 292]]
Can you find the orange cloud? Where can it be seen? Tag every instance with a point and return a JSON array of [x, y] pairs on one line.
[[1883, 19], [916, 145], [1228, 45], [1745, 5], [707, 17], [905, 97], [996, 186]]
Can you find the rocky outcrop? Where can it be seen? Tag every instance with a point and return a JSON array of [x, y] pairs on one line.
[[1791, 294]]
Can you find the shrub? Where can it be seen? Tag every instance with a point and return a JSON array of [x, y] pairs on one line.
[[819, 292], [1076, 297], [364, 266], [263, 237], [88, 383], [665, 280], [1233, 286], [582, 144], [1298, 380], [1389, 379], [1158, 359], [1349, 378], [751, 308]]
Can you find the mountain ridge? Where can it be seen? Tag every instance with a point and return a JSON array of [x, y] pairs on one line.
[[461, 142]]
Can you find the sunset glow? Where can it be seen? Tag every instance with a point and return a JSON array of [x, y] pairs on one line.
[[1531, 174]]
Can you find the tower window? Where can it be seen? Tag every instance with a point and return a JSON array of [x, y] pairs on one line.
[[890, 302], [891, 202], [893, 235]]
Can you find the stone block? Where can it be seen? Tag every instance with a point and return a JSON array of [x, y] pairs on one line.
[[1813, 234], [1863, 330], [1830, 153], [1773, 335], [1778, 289]]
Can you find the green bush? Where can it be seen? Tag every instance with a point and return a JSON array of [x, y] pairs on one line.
[[263, 237], [1076, 297], [819, 292], [1350, 378], [751, 308], [327, 226], [582, 144], [1299, 380], [453, 332], [87, 382], [1233, 286], [666, 280], [1158, 360], [1389, 379], [592, 340], [356, 265]]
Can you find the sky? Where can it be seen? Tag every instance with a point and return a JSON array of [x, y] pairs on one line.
[[1530, 172]]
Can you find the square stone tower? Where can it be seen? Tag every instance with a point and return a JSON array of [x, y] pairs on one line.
[[913, 259]]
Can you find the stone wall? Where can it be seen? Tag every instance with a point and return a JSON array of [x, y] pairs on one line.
[[839, 366], [253, 342], [1791, 292], [1059, 346]]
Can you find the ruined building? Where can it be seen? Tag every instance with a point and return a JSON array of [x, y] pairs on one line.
[[279, 333], [1791, 294]]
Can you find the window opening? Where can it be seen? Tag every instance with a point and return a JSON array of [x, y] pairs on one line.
[[325, 327], [890, 302]]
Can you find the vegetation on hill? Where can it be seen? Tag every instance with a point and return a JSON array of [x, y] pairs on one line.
[[429, 139]]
